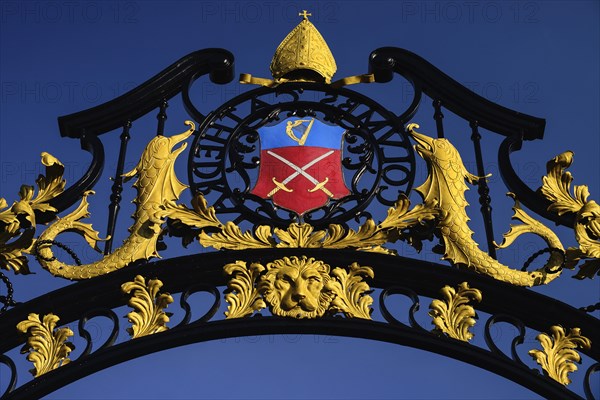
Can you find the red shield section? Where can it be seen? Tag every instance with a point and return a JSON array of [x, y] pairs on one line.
[[300, 178]]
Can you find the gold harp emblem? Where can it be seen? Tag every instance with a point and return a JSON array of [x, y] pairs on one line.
[[297, 126]]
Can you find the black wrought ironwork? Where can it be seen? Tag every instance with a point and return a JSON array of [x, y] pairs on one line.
[[6, 300], [591, 307], [587, 383], [13, 374], [117, 189], [162, 118], [379, 164], [543, 251], [517, 340], [87, 125], [93, 313], [428, 79], [377, 156], [39, 243], [531, 198], [387, 314], [438, 116], [483, 189], [97, 298]]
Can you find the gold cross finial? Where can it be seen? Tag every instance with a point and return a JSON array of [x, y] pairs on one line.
[[305, 14]]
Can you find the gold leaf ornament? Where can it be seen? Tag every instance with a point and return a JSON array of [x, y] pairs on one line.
[[453, 315], [351, 291], [299, 235], [556, 187], [17, 237], [50, 185], [148, 316], [368, 237], [241, 295], [531, 225], [231, 237], [399, 216], [200, 216], [47, 346], [558, 356]]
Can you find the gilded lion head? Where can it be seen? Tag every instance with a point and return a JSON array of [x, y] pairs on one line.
[[296, 287]]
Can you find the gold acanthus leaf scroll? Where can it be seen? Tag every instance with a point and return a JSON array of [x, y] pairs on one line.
[[47, 347], [241, 295], [350, 291], [453, 315], [368, 237], [556, 187], [558, 355], [17, 234], [298, 287], [148, 316]]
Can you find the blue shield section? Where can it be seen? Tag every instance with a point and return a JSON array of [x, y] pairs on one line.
[[291, 131]]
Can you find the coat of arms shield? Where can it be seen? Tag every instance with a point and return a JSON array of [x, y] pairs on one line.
[[301, 164]]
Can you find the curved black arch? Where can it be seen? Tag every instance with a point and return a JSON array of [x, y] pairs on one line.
[[88, 124], [72, 194], [385, 61], [218, 63], [195, 333], [532, 199], [426, 278], [86, 299]]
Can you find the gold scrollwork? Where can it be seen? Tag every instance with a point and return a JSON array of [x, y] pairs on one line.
[[350, 289], [17, 223], [241, 295], [148, 316], [368, 237], [453, 315], [556, 187], [298, 288], [47, 347], [558, 355]]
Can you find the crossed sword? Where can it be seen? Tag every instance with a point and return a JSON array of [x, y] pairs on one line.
[[300, 171]]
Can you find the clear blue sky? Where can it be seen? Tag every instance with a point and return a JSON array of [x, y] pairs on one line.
[[540, 58]]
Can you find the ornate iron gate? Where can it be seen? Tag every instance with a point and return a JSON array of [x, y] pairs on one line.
[[301, 189]]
